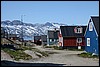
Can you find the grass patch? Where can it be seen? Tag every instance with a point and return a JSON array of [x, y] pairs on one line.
[[26, 48], [17, 54], [48, 46], [55, 47], [88, 55]]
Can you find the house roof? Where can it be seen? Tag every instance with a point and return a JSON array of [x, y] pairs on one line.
[[95, 20], [12, 35], [53, 34], [37, 37], [68, 31]]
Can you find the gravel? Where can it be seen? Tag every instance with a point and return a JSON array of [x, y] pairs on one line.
[[65, 57]]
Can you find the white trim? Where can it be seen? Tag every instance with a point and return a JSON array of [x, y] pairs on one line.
[[93, 27], [88, 41], [95, 31], [60, 31], [78, 40], [87, 26], [61, 41]]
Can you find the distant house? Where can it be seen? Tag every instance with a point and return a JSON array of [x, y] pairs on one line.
[[12, 36], [52, 37], [4, 34], [72, 37], [92, 35], [44, 39], [37, 40]]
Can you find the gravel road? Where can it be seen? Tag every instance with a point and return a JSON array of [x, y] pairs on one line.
[[66, 58]]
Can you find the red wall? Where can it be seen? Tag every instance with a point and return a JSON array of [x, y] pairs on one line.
[[72, 41]]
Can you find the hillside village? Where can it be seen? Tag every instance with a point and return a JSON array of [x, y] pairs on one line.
[[82, 39]]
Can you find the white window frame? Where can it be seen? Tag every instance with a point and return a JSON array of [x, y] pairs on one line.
[[79, 40], [79, 30], [88, 41], [90, 26], [50, 40]]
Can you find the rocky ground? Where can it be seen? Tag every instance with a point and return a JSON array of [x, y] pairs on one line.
[[61, 58]]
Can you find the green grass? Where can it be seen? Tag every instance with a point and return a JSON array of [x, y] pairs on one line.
[[26, 48], [48, 46], [55, 47], [17, 54], [88, 55]]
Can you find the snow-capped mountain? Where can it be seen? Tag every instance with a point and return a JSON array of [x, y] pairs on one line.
[[16, 27]]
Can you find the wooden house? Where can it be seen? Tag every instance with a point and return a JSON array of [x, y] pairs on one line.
[[72, 37], [92, 35], [52, 37], [37, 40], [12, 36], [4, 33], [44, 39]]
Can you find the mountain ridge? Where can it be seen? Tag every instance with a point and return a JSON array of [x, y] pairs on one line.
[[29, 29]]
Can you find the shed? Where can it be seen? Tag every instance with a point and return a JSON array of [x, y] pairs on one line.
[[44, 39], [37, 40]]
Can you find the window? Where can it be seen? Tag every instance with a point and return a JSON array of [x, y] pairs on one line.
[[54, 40], [50, 40], [79, 40], [78, 30], [88, 41], [90, 27]]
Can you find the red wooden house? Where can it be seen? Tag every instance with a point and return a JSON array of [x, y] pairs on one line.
[[72, 36]]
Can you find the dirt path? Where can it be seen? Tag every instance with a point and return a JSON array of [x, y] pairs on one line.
[[66, 58], [69, 58]]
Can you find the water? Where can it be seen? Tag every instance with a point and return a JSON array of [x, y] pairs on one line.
[[28, 38]]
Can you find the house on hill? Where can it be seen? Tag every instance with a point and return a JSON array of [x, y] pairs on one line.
[[44, 39], [92, 35], [4, 33], [37, 40], [72, 37]]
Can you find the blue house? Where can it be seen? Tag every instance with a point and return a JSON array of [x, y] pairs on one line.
[[92, 35]]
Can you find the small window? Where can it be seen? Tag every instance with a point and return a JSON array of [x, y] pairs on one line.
[[90, 27], [54, 40], [50, 40], [79, 40], [88, 41], [78, 30]]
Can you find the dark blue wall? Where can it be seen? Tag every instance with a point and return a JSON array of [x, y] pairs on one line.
[[93, 41]]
